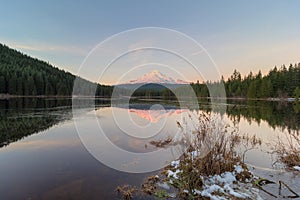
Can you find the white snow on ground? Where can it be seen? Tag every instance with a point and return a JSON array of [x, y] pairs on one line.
[[234, 193], [170, 173], [194, 154], [226, 178], [238, 169], [207, 192], [297, 168], [175, 164], [225, 183], [173, 174]]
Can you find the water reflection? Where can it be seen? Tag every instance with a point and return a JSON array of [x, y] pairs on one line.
[[55, 165], [277, 114], [25, 116], [155, 116], [21, 117]]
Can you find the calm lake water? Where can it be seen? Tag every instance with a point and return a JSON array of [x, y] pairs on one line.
[[42, 156]]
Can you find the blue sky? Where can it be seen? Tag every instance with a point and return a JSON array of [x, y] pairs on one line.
[[246, 35]]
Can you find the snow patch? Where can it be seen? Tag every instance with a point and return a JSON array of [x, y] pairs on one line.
[[297, 168], [234, 193], [227, 178], [175, 164], [173, 174], [218, 187], [239, 169], [157, 77]]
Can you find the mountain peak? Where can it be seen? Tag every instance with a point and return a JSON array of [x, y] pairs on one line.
[[155, 72], [156, 76]]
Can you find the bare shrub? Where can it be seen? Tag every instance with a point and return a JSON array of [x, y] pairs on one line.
[[289, 152], [210, 149]]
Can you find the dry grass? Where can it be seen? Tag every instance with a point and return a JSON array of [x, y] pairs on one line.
[[211, 149], [249, 143], [216, 146], [161, 143], [126, 191], [149, 186], [289, 152]]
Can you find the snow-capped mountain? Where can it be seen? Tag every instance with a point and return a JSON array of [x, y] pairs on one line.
[[156, 77]]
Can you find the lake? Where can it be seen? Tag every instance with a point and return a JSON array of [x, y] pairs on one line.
[[42, 156]]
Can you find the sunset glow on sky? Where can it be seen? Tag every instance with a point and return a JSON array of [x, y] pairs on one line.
[[246, 36]]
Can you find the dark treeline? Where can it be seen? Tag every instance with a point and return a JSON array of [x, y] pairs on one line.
[[278, 83], [23, 75], [153, 91]]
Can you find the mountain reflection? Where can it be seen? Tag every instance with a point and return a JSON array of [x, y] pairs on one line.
[[155, 116]]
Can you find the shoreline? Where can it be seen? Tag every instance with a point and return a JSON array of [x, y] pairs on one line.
[[8, 96]]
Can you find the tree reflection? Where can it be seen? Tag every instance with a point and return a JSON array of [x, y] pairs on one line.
[[22, 117]]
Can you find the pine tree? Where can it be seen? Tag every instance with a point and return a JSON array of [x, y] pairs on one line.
[[297, 94], [31, 86], [2, 85], [252, 90], [39, 82], [12, 85], [20, 87]]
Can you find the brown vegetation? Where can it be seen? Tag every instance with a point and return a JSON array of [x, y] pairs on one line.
[[288, 152], [126, 191]]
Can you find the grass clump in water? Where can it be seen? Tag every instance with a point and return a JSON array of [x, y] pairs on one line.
[[211, 165], [126, 191], [288, 152]]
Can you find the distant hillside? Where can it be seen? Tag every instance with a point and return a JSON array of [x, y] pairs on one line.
[[23, 75]]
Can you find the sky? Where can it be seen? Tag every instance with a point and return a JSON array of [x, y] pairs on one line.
[[244, 35]]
